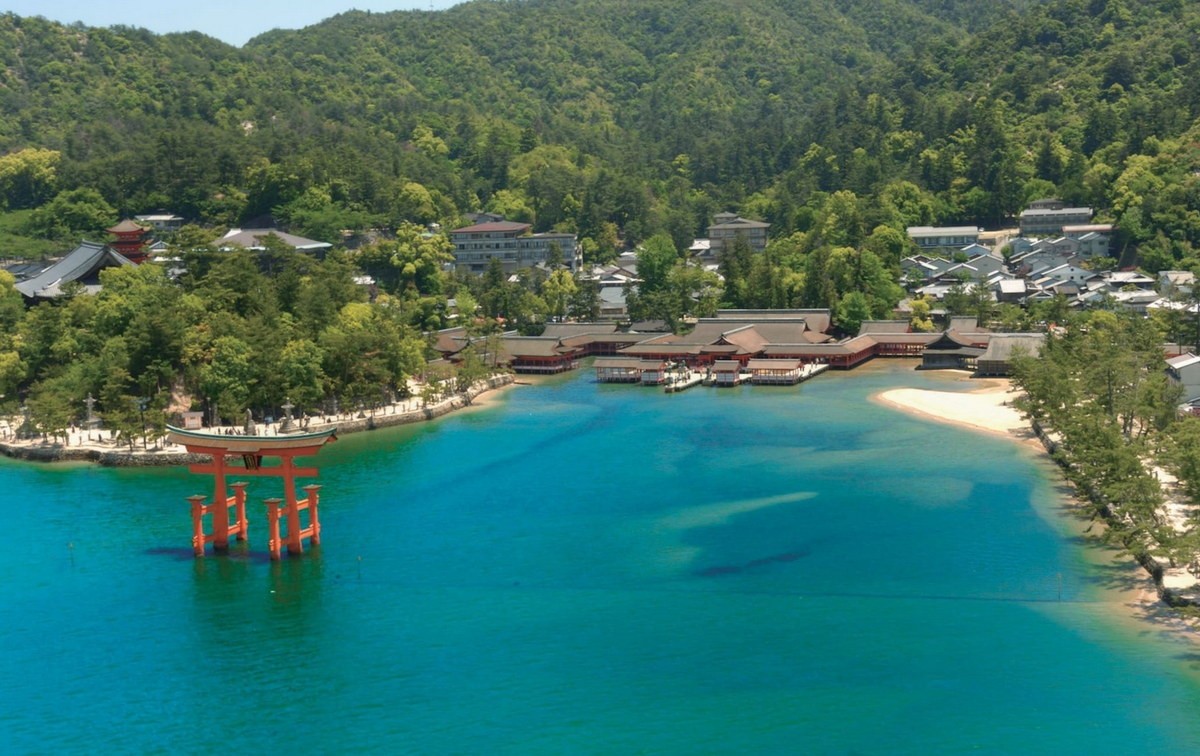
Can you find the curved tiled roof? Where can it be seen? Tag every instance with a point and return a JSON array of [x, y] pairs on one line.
[[82, 264]]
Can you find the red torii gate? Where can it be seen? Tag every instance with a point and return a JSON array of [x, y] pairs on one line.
[[252, 450]]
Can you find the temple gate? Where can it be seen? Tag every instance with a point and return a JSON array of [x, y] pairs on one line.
[[228, 513]]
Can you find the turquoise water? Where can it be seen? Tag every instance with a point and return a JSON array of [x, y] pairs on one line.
[[597, 569]]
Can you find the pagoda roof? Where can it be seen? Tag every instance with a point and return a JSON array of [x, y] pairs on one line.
[[126, 227], [816, 319], [739, 222], [602, 338], [884, 326], [657, 348]]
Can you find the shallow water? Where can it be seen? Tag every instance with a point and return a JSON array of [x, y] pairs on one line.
[[592, 568]]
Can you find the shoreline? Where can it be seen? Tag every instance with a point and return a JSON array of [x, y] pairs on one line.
[[1139, 596], [986, 409], [110, 454]]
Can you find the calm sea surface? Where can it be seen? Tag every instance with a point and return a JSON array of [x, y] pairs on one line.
[[596, 569]]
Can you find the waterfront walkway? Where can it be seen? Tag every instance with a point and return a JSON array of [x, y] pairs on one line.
[[101, 445]]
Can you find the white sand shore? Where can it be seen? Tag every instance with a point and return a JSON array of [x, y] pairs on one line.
[[988, 408]]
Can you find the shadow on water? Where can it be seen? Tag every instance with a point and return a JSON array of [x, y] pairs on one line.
[[236, 553], [1118, 577], [733, 569], [176, 553], [289, 580]]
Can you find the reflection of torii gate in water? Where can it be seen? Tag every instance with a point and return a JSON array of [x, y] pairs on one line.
[[252, 450]]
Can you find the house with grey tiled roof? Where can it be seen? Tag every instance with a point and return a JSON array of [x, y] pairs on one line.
[[1176, 283], [1184, 371], [256, 239]]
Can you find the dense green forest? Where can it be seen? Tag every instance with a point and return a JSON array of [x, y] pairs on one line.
[[648, 116], [840, 122]]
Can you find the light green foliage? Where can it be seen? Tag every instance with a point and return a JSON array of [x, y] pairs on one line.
[[550, 178], [73, 213], [12, 372], [411, 264], [920, 320], [28, 177], [317, 215], [301, 374], [655, 260], [426, 141], [415, 204], [229, 375], [50, 408], [1101, 387], [512, 204], [852, 310], [367, 352], [558, 290], [12, 308]]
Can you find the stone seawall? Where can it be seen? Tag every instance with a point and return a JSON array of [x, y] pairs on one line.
[[138, 458], [106, 457]]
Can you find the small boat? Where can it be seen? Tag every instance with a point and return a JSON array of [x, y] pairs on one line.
[[249, 444]]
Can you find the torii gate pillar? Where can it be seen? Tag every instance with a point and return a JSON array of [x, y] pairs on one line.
[[252, 450]]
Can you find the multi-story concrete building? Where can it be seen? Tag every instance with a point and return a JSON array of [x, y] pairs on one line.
[[727, 226], [943, 240], [1047, 218], [512, 244]]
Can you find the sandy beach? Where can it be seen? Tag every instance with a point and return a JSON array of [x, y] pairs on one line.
[[988, 409]]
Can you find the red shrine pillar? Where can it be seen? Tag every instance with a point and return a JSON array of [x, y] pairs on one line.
[[239, 511], [273, 510], [314, 521], [289, 511], [219, 509], [198, 512], [220, 506]]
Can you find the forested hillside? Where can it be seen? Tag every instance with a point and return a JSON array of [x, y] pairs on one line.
[[839, 122], [646, 116]]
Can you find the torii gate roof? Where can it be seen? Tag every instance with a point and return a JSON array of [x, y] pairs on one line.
[[203, 443]]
